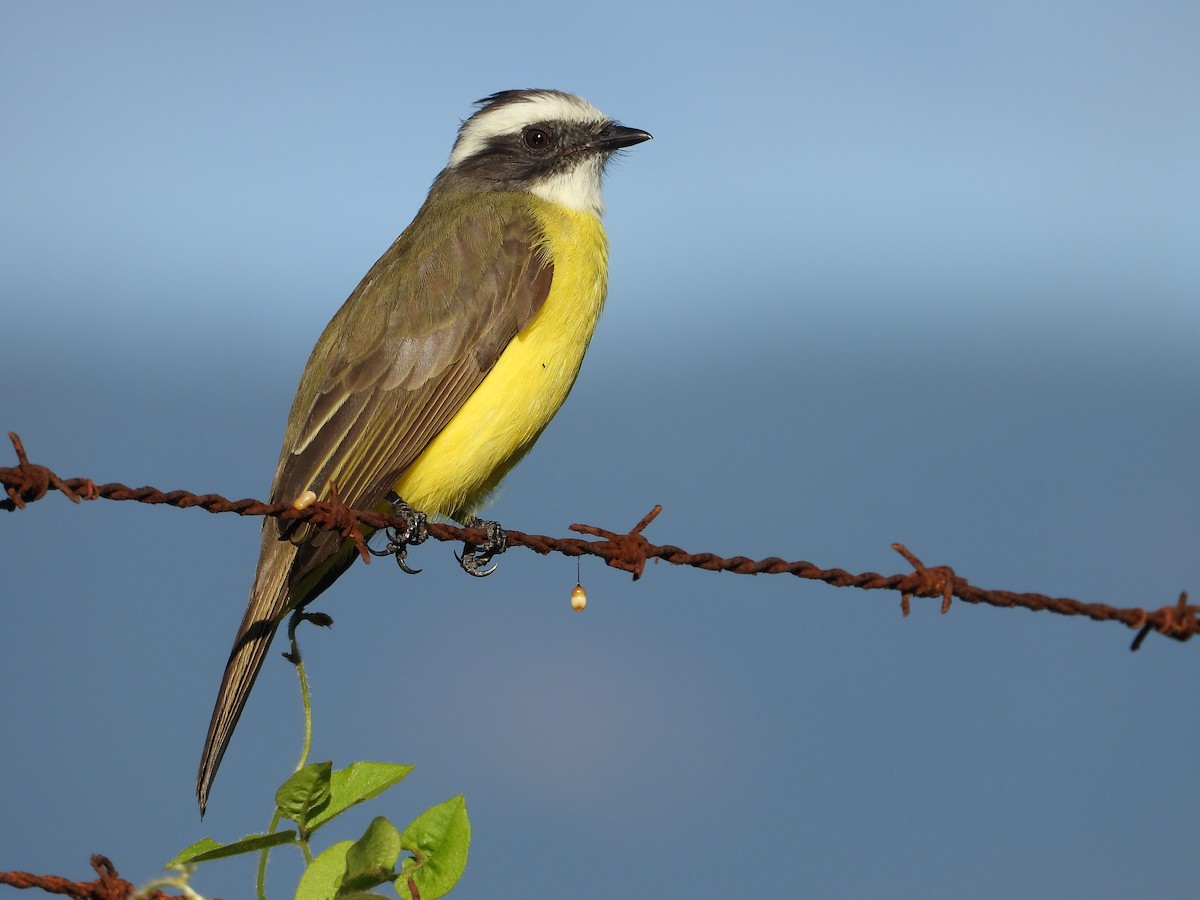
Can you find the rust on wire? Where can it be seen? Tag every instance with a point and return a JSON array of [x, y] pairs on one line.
[[340, 518], [938, 581], [629, 551], [622, 551], [108, 886], [31, 482], [1178, 622]]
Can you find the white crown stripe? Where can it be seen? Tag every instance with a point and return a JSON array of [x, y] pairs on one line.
[[509, 118]]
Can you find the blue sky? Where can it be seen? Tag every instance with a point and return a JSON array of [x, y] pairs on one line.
[[924, 274]]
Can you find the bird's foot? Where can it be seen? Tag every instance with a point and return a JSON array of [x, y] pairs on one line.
[[398, 542], [475, 557]]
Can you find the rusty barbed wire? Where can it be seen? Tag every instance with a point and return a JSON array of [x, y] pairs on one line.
[[108, 886], [629, 551]]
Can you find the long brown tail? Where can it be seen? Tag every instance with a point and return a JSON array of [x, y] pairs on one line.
[[268, 603], [244, 664]]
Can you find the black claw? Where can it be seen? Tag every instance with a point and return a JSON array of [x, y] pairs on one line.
[[475, 557], [398, 541]]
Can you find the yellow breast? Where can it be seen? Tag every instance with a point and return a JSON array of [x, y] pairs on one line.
[[531, 379]]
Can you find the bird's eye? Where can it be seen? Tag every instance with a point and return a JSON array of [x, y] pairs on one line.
[[536, 138]]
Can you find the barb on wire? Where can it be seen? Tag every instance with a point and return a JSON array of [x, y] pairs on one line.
[[629, 551], [108, 886]]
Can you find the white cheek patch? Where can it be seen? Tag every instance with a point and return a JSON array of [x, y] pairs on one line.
[[576, 188], [510, 118]]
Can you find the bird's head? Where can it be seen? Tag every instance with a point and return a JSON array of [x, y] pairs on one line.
[[553, 144]]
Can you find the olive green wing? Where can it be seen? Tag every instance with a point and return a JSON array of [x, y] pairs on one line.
[[406, 350]]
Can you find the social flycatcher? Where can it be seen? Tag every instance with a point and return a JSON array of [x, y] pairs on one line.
[[449, 359]]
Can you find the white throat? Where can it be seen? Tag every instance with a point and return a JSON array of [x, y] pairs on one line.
[[577, 188]]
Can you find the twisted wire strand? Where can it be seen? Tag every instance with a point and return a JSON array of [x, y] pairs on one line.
[[629, 551], [107, 886]]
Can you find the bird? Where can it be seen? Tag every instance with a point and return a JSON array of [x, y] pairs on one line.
[[446, 362]]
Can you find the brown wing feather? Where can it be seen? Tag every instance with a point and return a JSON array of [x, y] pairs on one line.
[[409, 347]]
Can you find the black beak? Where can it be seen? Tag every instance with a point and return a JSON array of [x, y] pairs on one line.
[[615, 137]]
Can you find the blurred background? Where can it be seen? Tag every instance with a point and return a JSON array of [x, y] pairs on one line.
[[923, 273]]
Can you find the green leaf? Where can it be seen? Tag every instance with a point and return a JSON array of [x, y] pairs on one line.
[[438, 839], [191, 851], [323, 876], [372, 859], [356, 783], [206, 849], [305, 792]]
